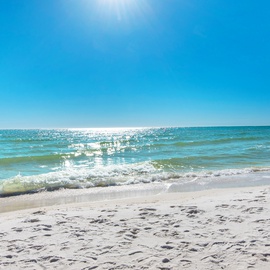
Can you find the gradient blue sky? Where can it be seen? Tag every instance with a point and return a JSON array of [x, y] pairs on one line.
[[112, 63]]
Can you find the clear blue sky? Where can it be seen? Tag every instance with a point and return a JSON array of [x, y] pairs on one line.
[[110, 63]]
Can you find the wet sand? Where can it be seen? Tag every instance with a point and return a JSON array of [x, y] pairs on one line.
[[214, 229]]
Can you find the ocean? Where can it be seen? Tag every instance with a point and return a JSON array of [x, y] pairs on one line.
[[182, 159]]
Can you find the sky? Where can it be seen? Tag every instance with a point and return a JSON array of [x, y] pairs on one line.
[[125, 63]]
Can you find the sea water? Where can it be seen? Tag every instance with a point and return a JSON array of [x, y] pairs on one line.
[[180, 158]]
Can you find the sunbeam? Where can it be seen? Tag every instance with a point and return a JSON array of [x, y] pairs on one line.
[[122, 10]]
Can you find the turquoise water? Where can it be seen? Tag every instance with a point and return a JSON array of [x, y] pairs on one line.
[[34, 160]]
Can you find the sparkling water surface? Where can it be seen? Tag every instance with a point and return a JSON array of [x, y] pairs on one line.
[[34, 160]]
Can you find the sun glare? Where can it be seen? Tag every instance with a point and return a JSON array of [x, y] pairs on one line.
[[119, 8], [117, 2], [122, 10]]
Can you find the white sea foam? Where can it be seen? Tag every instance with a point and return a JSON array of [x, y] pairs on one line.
[[78, 178], [128, 174]]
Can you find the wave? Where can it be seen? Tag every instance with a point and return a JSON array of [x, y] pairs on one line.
[[215, 141], [201, 161], [26, 159], [77, 178], [182, 144], [22, 140], [111, 176]]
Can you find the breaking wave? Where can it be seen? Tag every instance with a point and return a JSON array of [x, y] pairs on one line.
[[112, 176]]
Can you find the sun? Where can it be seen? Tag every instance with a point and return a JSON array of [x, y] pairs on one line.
[[121, 9], [117, 2]]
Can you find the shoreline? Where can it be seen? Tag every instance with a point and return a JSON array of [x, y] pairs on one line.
[[210, 229], [95, 194], [77, 196], [69, 199]]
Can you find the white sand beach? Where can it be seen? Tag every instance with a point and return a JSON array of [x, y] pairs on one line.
[[214, 229]]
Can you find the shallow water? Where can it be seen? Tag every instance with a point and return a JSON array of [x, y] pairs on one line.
[[34, 160]]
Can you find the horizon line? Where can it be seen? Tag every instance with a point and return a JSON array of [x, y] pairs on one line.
[[135, 127]]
